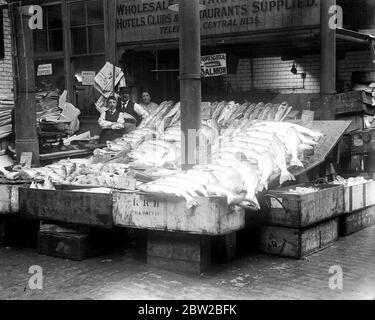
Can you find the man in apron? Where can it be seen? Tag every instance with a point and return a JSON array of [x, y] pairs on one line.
[[112, 122]]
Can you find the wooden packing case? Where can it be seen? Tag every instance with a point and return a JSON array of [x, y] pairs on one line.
[[160, 212], [75, 247], [355, 221], [281, 207], [67, 206], [297, 243]]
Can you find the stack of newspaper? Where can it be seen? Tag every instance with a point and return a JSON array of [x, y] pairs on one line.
[[104, 84]]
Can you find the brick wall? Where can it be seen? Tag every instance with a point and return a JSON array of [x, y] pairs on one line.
[[272, 73], [6, 71]]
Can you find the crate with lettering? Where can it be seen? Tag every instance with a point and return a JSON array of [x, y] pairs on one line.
[[302, 205], [161, 212], [297, 242], [67, 204]]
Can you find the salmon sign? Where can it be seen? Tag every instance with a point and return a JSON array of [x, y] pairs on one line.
[[214, 65]]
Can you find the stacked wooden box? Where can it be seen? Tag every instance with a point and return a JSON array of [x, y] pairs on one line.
[[359, 208], [353, 105], [358, 153], [298, 224]]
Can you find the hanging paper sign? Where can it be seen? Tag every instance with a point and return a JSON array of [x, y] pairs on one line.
[[88, 78], [214, 65], [44, 70], [26, 159]]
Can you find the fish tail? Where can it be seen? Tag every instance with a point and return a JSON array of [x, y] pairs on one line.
[[191, 202], [295, 162], [255, 201], [286, 176]]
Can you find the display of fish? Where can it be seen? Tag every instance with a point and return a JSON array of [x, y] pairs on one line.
[[218, 110]]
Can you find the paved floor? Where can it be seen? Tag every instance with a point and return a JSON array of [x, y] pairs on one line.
[[123, 276]]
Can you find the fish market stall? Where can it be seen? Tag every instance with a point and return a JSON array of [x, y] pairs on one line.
[[136, 181]]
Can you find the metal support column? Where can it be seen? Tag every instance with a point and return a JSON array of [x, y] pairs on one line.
[[328, 61], [25, 112], [190, 79]]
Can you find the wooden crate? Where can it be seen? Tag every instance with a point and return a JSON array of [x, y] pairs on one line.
[[359, 196], [92, 209], [9, 198], [297, 243], [356, 221], [178, 252], [361, 142], [349, 102], [288, 209], [169, 213], [75, 247]]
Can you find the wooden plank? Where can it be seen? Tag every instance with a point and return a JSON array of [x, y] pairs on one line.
[[297, 243], [356, 221], [5, 191], [179, 252], [289, 209], [169, 213], [91, 209], [9, 198]]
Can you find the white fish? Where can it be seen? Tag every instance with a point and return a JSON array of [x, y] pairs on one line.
[[167, 189], [286, 125], [292, 144], [278, 154], [250, 179], [187, 181]]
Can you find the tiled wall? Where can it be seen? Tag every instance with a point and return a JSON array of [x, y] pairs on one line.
[[274, 74]]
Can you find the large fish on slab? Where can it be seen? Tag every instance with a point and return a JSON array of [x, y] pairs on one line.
[[292, 144], [278, 154], [250, 179], [286, 125]]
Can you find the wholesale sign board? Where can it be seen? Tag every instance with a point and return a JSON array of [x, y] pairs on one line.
[[150, 20]]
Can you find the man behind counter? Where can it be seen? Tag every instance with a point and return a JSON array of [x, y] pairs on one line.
[[133, 112], [112, 122]]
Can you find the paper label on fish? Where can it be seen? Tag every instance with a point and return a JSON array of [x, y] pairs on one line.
[[126, 183], [276, 204]]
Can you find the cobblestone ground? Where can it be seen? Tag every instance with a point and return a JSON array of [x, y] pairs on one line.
[[123, 276]]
